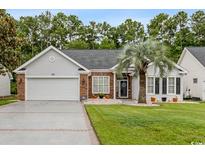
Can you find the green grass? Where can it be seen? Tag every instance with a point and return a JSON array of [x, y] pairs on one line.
[[7, 100], [166, 124]]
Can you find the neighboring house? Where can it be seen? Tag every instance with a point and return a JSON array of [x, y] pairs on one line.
[[193, 60], [5, 85], [80, 74]]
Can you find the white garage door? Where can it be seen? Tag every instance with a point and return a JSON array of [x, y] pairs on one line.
[[52, 89]]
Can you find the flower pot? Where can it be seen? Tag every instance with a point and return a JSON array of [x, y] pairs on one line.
[[153, 99], [164, 99], [175, 100], [107, 97], [94, 97]]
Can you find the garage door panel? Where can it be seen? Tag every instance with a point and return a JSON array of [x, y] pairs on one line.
[[52, 89]]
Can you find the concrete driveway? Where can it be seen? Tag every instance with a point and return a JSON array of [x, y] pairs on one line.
[[45, 122]]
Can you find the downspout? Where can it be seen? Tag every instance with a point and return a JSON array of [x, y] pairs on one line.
[[114, 85]]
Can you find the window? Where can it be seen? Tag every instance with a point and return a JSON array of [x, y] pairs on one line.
[[178, 85], [150, 86], [164, 85], [171, 85], [156, 85], [195, 80], [101, 84]]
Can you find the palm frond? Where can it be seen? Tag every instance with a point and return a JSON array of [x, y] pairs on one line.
[[142, 54]]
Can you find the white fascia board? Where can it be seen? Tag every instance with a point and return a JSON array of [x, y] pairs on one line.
[[53, 77], [101, 70], [32, 59], [113, 68], [19, 72], [45, 51], [83, 72], [182, 56], [72, 60]]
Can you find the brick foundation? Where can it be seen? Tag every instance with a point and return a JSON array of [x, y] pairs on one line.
[[20, 78]]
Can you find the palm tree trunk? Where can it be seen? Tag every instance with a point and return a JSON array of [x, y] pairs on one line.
[[142, 90]]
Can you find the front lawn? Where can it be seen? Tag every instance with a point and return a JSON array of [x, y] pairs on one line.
[[7, 100], [166, 124]]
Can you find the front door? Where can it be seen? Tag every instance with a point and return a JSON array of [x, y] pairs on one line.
[[123, 89]]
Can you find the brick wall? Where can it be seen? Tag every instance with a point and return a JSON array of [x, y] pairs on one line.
[[83, 86], [111, 94], [20, 78]]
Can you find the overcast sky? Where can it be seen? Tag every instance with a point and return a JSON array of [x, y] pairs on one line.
[[113, 17]]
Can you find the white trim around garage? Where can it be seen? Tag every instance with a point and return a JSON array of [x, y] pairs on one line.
[[53, 77]]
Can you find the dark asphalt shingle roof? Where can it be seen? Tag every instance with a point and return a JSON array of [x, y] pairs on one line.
[[94, 59], [198, 53]]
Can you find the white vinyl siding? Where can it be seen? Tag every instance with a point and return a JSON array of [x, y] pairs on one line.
[[150, 87], [100, 84], [171, 85], [4, 85]]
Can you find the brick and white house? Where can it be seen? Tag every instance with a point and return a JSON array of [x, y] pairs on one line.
[[57, 74]]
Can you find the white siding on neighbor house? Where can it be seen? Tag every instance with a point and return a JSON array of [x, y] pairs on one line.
[[152, 72], [60, 67], [195, 70], [4, 85]]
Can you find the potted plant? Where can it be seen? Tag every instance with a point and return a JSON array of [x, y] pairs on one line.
[[94, 96], [107, 96], [101, 95], [153, 99], [175, 99]]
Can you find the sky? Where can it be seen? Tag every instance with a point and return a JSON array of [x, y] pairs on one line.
[[113, 16]]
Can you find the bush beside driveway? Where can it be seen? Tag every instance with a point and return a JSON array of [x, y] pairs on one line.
[[166, 124]]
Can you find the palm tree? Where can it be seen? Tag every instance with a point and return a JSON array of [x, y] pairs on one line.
[[139, 57]]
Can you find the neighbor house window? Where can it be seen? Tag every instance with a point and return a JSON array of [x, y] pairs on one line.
[[100, 84], [178, 85], [195, 80], [171, 85], [150, 86], [164, 85], [156, 85]]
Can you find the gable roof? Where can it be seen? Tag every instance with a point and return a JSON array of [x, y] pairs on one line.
[[21, 68], [198, 53], [94, 59]]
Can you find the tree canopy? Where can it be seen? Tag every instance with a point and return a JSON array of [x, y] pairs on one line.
[[31, 34], [8, 43]]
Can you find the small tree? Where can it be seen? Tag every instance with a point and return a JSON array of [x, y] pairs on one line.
[[139, 56], [8, 43]]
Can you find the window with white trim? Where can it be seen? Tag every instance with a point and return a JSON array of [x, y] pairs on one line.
[[150, 84], [171, 85], [100, 84]]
